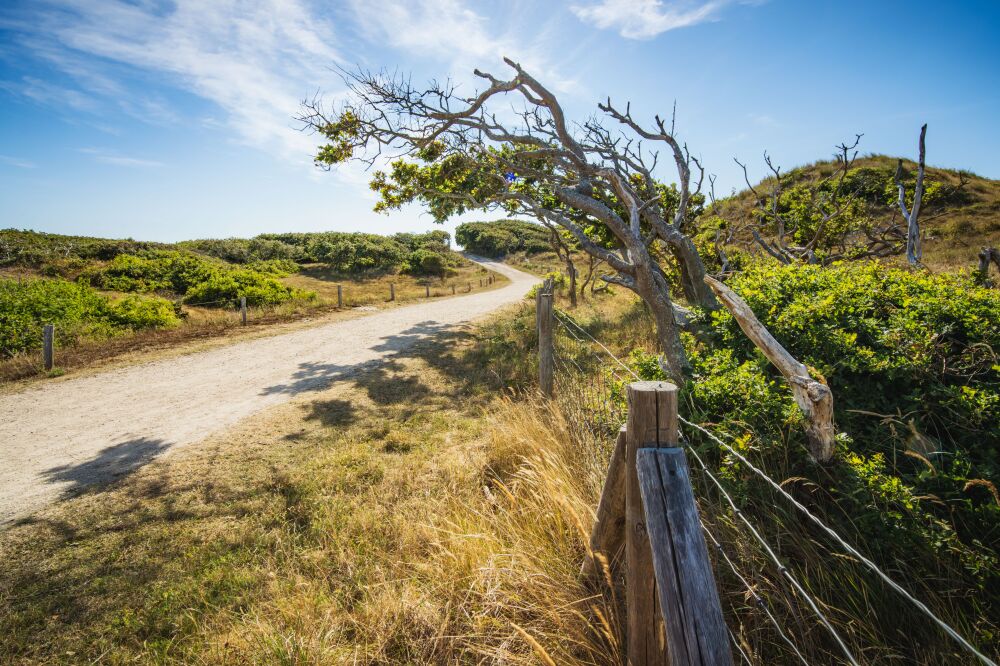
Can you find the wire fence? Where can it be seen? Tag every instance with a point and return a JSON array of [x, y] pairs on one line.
[[590, 382]]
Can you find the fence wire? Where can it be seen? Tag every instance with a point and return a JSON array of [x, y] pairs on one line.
[[580, 357]]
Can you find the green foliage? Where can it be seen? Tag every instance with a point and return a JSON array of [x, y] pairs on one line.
[[32, 248], [245, 251], [503, 237], [197, 278], [912, 363], [911, 359], [224, 288], [155, 270], [76, 309], [364, 253]]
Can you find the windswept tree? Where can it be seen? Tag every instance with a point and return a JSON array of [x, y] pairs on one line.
[[596, 180]]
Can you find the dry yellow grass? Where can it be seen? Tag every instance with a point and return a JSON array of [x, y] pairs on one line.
[[409, 515]]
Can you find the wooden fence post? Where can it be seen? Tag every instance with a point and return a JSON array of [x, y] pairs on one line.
[[340, 296], [652, 422], [609, 525], [469, 287], [243, 309], [543, 316], [480, 282], [427, 290], [392, 292], [48, 346], [452, 290], [674, 615]]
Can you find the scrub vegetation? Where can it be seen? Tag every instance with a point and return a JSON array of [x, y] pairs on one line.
[[107, 296]]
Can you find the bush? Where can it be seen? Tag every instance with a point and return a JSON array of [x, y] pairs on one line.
[[31, 248], [153, 271], [502, 237], [225, 288], [911, 362], [76, 310]]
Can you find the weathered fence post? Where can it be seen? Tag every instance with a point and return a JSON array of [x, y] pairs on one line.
[[340, 296], [427, 290], [543, 316], [243, 309], [392, 292], [452, 290], [48, 346], [673, 602], [469, 286], [651, 422], [609, 525], [480, 282]]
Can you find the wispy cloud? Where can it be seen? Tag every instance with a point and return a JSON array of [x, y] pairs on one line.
[[450, 30], [253, 59], [105, 156], [17, 162], [51, 94], [644, 19]]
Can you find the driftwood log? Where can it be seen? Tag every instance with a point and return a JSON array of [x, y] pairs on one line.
[[814, 398]]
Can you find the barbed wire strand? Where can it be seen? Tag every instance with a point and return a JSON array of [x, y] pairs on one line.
[[845, 545], [761, 603], [798, 505], [777, 561]]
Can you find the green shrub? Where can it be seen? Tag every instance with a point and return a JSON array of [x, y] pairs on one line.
[[225, 288], [502, 237], [32, 248], [916, 383], [76, 310], [137, 313]]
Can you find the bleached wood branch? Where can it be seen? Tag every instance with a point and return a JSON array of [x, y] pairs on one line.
[[914, 251], [813, 397]]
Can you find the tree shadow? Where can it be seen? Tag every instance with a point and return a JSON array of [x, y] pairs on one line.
[[332, 413], [110, 463], [318, 376]]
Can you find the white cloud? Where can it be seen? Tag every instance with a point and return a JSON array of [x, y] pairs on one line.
[[114, 159], [255, 59], [644, 19], [449, 30]]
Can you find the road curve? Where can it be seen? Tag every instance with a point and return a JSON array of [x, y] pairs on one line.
[[58, 437]]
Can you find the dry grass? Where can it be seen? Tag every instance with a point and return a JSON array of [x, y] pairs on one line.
[[409, 515]]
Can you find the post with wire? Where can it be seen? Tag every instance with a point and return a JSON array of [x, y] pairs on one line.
[[546, 351], [48, 346], [243, 309]]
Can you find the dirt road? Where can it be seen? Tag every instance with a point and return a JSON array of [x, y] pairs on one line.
[[59, 437]]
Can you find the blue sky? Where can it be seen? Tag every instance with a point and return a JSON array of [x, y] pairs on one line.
[[169, 120]]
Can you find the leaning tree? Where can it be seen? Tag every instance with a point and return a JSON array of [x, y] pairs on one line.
[[597, 180]]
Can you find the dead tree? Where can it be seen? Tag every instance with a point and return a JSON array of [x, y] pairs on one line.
[[454, 154], [914, 251], [826, 205], [814, 398]]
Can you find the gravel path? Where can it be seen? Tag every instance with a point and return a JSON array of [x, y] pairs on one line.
[[59, 437]]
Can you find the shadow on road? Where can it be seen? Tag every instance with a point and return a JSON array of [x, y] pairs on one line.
[[110, 463]]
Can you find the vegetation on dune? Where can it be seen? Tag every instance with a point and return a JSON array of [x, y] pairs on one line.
[[500, 238], [79, 312], [960, 212], [418, 254], [207, 273], [196, 278]]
